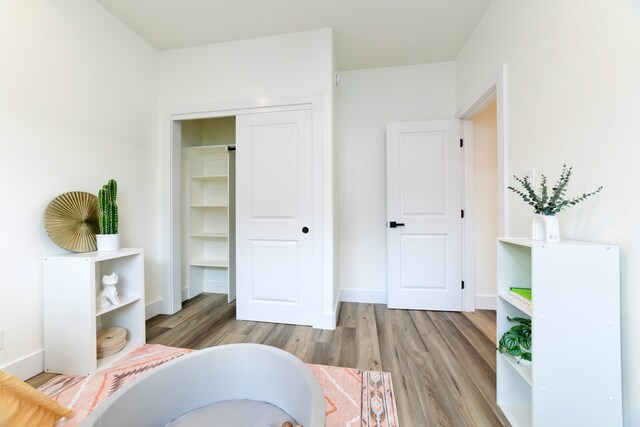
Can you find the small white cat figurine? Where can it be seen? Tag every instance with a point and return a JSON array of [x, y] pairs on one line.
[[109, 294]]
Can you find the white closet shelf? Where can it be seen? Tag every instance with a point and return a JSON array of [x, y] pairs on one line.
[[211, 235], [222, 263], [209, 149], [209, 177]]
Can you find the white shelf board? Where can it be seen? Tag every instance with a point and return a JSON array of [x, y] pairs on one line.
[[516, 303], [210, 263], [102, 256], [522, 241], [209, 177], [106, 361], [124, 300], [205, 149], [525, 241], [523, 371], [518, 415], [209, 206], [211, 235]]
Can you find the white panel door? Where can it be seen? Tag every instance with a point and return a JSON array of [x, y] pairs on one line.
[[274, 217], [424, 225]]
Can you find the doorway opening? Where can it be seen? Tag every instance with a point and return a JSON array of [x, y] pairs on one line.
[[485, 197], [485, 189]]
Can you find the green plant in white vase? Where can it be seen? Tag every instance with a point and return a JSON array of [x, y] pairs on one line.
[[548, 203], [517, 340], [108, 239]]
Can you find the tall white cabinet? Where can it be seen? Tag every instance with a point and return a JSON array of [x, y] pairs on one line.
[[71, 319], [575, 377]]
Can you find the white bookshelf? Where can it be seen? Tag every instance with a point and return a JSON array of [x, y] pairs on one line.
[[210, 226], [71, 283], [575, 377]]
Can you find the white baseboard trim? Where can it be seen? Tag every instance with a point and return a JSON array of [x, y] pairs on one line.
[[27, 367], [328, 319], [152, 309], [486, 302], [216, 287], [363, 295]]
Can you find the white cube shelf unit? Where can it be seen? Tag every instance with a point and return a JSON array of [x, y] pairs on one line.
[[71, 320], [211, 220], [575, 377]]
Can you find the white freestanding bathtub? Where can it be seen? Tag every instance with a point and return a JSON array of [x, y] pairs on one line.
[[235, 374]]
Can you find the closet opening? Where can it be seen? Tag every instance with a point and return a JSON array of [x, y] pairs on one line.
[[207, 207]]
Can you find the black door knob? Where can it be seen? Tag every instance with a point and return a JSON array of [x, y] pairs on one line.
[[305, 230]]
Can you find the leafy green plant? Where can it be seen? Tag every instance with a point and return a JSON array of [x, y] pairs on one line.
[[550, 204], [517, 340], [108, 208]]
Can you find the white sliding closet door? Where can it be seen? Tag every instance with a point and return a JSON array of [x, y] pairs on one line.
[[274, 194]]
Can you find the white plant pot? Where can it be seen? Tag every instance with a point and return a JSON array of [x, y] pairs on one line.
[[545, 227], [523, 362], [108, 242]]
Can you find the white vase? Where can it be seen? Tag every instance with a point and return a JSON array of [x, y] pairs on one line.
[[108, 242], [545, 227], [524, 362]]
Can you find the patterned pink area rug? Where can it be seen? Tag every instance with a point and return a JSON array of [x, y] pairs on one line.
[[353, 397]]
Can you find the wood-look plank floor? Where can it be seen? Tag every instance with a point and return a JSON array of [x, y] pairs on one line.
[[442, 364]]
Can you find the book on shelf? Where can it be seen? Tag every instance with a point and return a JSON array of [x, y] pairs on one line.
[[523, 295]]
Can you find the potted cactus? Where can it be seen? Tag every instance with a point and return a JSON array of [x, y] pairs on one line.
[[108, 239]]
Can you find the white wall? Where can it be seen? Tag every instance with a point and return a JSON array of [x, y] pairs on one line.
[[78, 105], [368, 100], [485, 155], [573, 91], [290, 64]]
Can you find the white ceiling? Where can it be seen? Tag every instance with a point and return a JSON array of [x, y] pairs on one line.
[[368, 33]]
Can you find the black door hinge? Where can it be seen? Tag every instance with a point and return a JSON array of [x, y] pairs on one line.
[[461, 142], [463, 284], [462, 213]]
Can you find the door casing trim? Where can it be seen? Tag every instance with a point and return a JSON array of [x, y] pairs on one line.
[[494, 89]]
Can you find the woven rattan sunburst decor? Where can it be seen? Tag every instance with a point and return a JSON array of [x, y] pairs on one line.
[[71, 221]]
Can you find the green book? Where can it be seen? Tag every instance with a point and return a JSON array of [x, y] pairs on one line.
[[523, 292]]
